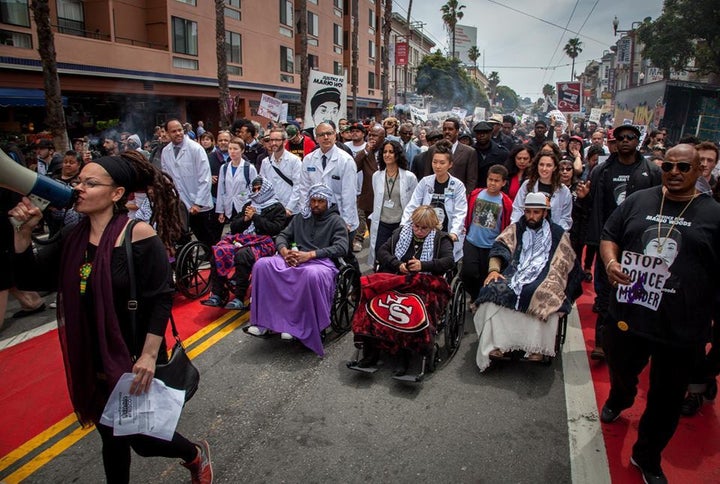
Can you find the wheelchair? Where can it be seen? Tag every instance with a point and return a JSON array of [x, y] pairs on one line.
[[345, 298], [449, 332], [191, 269]]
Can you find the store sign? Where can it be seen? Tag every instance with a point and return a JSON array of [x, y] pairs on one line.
[[401, 53], [624, 52]]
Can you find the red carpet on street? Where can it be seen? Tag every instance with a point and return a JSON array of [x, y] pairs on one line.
[[693, 455]]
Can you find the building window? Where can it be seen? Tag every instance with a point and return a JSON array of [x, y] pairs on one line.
[[313, 61], [313, 1], [233, 47], [287, 60], [15, 39], [338, 4], [371, 80], [373, 19], [182, 63], [371, 49], [15, 12], [286, 13], [338, 68], [185, 36], [71, 18], [189, 2], [232, 9], [234, 70], [337, 35], [313, 26]]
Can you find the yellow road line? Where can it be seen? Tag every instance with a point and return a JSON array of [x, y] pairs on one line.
[[67, 441], [47, 455], [36, 441]]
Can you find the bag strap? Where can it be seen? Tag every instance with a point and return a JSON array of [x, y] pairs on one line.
[[132, 301], [282, 175]]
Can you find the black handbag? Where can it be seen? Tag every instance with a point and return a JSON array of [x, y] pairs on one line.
[[179, 372]]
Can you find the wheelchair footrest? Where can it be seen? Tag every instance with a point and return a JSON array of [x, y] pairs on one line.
[[410, 378], [354, 366]]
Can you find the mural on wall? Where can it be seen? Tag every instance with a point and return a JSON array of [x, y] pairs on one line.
[[644, 106]]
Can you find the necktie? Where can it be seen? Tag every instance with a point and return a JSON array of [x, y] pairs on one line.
[[176, 149], [324, 161]]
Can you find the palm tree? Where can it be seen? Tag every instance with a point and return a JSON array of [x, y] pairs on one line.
[[474, 55], [51, 82], [302, 29], [548, 90], [493, 81], [573, 49], [225, 106], [385, 58], [452, 12]]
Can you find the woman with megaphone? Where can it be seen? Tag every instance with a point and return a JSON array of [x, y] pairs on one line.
[[89, 263]]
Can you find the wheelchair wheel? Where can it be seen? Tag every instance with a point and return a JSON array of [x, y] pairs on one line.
[[345, 299], [192, 270], [455, 318]]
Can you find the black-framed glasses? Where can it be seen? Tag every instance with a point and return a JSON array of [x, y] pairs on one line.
[[325, 134], [566, 168], [90, 184], [626, 137], [682, 166]]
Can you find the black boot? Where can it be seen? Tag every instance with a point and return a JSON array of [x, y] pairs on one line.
[[371, 354], [692, 404]]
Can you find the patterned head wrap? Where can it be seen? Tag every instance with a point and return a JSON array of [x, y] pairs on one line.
[[266, 196], [319, 191]]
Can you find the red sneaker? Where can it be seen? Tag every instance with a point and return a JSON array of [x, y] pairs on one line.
[[201, 466]]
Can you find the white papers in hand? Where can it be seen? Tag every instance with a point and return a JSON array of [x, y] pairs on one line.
[[155, 413]]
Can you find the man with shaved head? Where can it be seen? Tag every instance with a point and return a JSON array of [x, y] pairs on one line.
[[663, 316]]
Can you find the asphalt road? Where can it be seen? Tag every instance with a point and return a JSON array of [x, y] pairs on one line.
[[274, 412]]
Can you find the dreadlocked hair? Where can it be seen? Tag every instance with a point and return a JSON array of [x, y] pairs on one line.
[[163, 197]]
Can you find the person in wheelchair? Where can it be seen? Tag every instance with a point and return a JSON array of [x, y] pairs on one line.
[[532, 280], [292, 291], [404, 301], [251, 233]]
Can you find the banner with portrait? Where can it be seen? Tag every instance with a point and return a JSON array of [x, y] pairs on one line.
[[326, 98]]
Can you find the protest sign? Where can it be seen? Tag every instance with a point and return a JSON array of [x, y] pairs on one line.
[[326, 98], [648, 274], [270, 107]]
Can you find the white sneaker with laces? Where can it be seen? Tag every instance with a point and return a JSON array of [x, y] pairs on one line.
[[256, 331], [286, 337]]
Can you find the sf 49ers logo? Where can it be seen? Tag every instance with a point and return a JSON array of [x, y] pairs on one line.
[[401, 312]]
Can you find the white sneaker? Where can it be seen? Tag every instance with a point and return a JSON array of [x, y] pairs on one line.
[[286, 337], [256, 331]]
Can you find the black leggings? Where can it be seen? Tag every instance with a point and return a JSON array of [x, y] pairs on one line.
[[116, 451]]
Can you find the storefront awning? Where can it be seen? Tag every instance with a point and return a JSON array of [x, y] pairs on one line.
[[24, 98]]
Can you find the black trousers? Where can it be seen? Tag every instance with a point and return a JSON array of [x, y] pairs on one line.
[[670, 369], [384, 232], [474, 268], [244, 262], [116, 451], [200, 226], [603, 293]]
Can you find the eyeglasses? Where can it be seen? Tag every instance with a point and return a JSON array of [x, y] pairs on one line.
[[90, 184], [626, 137], [421, 228], [566, 168], [326, 134], [682, 166]]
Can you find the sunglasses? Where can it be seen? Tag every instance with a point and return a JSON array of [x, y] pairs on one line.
[[566, 168], [626, 137], [682, 166]]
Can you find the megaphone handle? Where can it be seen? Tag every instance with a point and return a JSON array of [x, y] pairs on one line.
[[39, 202]]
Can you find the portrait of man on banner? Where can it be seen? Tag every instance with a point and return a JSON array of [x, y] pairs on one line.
[[326, 99]]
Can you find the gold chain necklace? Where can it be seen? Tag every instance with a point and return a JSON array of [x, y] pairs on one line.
[[661, 241]]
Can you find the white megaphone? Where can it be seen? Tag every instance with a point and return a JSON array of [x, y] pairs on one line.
[[41, 190]]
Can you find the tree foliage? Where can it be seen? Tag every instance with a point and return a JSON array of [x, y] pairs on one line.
[[474, 55], [508, 97], [686, 30], [548, 90], [573, 49], [493, 83], [448, 83]]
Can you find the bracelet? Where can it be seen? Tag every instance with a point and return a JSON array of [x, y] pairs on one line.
[[608, 264]]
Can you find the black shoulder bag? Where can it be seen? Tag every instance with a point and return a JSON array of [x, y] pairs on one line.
[[179, 372]]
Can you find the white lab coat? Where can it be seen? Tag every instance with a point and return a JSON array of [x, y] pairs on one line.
[[456, 208], [290, 165], [340, 175], [408, 182], [561, 205], [190, 172], [234, 190]]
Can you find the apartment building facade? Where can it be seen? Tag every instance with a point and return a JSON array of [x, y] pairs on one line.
[[144, 61]]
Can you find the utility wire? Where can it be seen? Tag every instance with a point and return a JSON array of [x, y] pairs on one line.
[[562, 35]]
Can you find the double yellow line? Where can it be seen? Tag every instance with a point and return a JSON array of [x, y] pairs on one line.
[[219, 329]]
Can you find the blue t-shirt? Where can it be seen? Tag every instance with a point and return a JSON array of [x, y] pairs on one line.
[[486, 220]]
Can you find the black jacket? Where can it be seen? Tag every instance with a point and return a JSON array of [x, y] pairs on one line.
[[645, 175], [441, 263], [270, 222]]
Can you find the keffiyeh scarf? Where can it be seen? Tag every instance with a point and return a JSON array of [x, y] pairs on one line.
[[406, 238], [320, 191], [533, 256]]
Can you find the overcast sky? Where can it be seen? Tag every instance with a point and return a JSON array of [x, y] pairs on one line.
[[509, 38]]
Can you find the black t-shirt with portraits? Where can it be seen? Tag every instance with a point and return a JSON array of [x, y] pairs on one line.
[[692, 252]]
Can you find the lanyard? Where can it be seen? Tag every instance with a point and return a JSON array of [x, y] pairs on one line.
[[390, 186]]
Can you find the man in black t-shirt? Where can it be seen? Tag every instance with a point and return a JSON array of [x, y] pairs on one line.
[[664, 319], [611, 182]]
